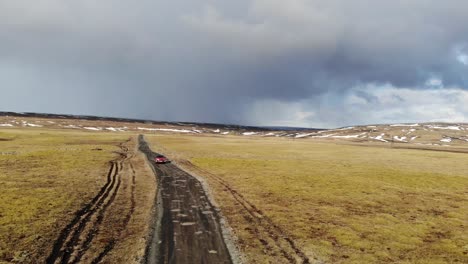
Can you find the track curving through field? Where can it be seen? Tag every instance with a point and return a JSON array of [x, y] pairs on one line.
[[77, 237]]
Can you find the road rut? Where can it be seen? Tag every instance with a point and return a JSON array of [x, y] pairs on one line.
[[77, 237]]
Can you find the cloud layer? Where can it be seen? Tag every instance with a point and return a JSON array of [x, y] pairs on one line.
[[231, 62]]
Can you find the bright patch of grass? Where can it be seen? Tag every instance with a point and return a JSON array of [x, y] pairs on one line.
[[342, 203]]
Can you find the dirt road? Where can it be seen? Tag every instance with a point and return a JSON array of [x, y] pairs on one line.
[[187, 227]]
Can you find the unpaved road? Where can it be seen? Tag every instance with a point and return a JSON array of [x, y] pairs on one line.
[[187, 227]]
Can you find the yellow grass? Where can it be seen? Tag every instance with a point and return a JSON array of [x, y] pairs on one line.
[[46, 176], [340, 203]]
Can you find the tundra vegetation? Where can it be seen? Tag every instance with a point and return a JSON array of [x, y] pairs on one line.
[[48, 175], [286, 199], [338, 202]]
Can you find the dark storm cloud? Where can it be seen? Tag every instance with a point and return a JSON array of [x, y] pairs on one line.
[[219, 61]]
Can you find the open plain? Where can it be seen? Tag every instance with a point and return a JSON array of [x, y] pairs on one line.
[[71, 197], [292, 201], [81, 191]]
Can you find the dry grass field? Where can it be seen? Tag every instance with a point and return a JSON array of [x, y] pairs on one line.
[[324, 200], [48, 175], [338, 203]]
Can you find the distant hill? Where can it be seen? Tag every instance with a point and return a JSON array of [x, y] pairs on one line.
[[433, 134]]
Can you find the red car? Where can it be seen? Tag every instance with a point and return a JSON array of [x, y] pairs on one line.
[[161, 159]]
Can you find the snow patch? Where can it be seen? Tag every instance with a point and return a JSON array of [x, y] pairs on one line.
[[447, 140], [447, 127], [379, 137], [93, 128], [340, 129], [349, 136], [324, 136], [404, 125], [6, 125], [116, 129], [249, 133], [72, 126], [300, 135], [166, 130], [32, 125], [401, 139]]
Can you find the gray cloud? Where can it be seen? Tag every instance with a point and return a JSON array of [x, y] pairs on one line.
[[226, 61]]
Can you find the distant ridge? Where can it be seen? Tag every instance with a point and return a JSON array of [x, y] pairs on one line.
[[288, 128], [142, 121]]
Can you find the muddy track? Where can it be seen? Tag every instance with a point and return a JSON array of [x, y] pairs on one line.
[[187, 226], [126, 220], [76, 238], [276, 242]]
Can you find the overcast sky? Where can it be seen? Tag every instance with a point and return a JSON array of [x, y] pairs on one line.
[[306, 63]]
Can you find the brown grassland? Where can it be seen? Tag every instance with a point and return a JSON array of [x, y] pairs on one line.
[[47, 175], [340, 203]]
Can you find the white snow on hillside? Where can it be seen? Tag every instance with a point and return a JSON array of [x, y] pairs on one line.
[[349, 136], [404, 125], [72, 126], [25, 123], [166, 130], [324, 136], [338, 129], [401, 139], [379, 137], [6, 125], [116, 129], [93, 128], [446, 128], [299, 135], [32, 125]]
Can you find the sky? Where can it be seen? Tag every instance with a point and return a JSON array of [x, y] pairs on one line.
[[307, 63]]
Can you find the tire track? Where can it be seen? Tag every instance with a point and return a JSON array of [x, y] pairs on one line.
[[284, 244], [78, 235], [126, 220], [95, 227]]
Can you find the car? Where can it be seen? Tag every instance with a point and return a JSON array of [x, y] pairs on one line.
[[161, 159]]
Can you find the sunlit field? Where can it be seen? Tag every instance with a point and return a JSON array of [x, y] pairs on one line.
[[339, 203], [46, 176]]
